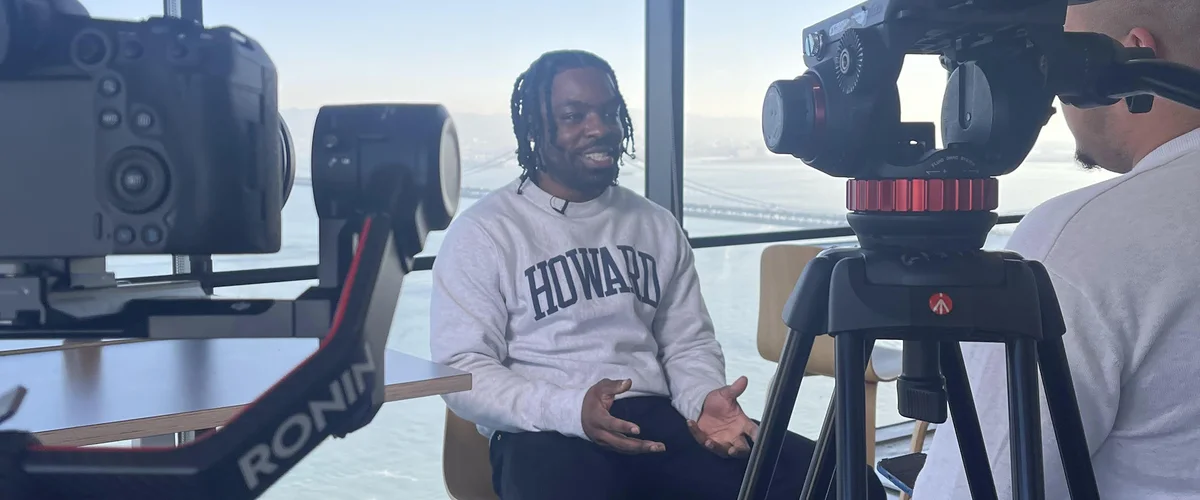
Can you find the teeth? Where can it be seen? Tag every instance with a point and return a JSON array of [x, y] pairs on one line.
[[599, 156]]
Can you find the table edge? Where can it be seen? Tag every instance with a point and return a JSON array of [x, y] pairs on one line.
[[125, 430], [71, 345]]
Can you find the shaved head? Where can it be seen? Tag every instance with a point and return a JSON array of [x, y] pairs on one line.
[[1111, 137], [1173, 23]]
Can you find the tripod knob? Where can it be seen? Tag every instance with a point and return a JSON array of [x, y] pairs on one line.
[[919, 400], [793, 116], [857, 62], [921, 389]]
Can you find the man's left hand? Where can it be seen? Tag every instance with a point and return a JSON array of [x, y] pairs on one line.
[[723, 427]]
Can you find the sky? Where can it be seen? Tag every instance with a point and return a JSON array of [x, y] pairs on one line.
[[466, 54]]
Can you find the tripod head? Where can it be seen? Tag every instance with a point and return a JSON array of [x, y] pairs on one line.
[[1007, 61]]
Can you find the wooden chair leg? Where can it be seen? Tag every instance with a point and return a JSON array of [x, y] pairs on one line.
[[871, 392], [918, 438], [916, 445]]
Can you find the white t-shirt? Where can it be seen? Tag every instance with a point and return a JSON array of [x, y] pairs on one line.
[[1124, 255], [539, 299]]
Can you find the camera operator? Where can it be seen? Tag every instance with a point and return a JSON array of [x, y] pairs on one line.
[[1123, 255]]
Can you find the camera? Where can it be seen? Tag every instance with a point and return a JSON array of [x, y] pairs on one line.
[[164, 137], [151, 137], [842, 116], [922, 214]]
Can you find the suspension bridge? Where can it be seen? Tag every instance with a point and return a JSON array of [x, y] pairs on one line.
[[732, 207], [739, 208]]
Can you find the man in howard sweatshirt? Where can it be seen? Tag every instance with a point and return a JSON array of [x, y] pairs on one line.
[[576, 307]]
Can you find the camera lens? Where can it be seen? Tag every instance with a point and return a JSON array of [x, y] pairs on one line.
[[138, 181]]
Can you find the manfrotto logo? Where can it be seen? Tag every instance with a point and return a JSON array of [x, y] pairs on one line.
[[295, 433]]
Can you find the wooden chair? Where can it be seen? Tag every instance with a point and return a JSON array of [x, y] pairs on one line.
[[466, 468], [779, 270]]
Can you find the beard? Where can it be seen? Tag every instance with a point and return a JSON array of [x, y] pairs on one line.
[[1086, 161], [579, 177]]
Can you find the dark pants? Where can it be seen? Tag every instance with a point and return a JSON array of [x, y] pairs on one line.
[[551, 466]]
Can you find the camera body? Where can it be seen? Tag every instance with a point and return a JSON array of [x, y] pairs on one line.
[[152, 137], [842, 116]]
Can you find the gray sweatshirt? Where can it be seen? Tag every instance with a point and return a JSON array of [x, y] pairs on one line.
[[539, 299], [1124, 255]]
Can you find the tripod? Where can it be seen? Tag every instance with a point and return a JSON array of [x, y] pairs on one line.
[[924, 279]]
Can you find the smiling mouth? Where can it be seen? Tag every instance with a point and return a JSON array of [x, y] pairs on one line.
[[600, 158]]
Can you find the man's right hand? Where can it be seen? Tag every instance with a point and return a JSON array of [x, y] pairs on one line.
[[609, 431]]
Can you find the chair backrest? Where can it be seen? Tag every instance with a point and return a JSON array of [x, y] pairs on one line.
[[780, 268], [466, 467]]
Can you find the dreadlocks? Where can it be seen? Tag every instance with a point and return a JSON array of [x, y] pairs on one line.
[[532, 91]]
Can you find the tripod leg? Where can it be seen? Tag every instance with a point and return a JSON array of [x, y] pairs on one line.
[[966, 424], [1060, 393], [1068, 425], [806, 315], [781, 400], [850, 371], [821, 469], [1025, 420]]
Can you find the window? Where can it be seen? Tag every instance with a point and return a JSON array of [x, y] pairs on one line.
[[463, 55], [379, 51], [467, 56], [733, 184]]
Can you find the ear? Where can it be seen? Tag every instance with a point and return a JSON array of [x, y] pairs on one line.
[[1141, 37]]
